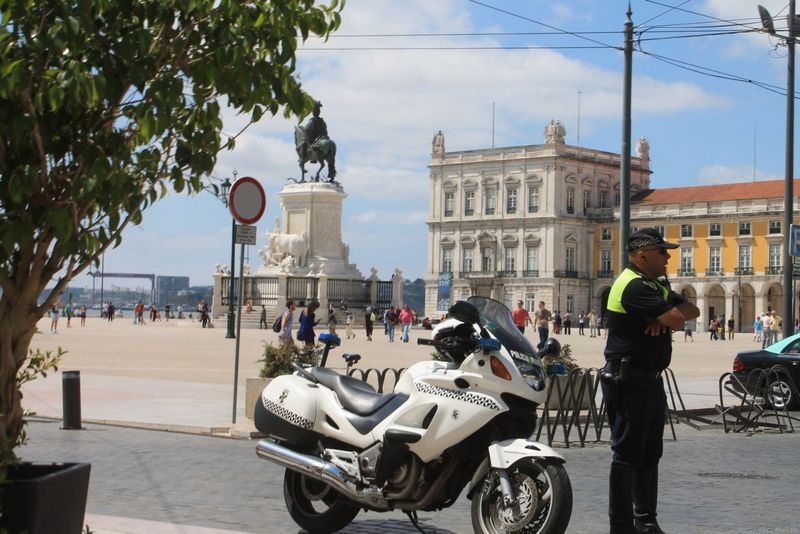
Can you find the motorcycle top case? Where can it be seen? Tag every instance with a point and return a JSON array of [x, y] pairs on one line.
[[287, 410]]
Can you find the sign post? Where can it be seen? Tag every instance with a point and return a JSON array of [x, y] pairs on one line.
[[247, 203]]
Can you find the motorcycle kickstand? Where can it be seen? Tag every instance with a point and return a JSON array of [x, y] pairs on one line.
[[415, 520]]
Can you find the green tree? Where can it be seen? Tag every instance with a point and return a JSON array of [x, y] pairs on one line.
[[106, 105]]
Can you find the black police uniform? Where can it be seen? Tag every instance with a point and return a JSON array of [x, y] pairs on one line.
[[634, 394]]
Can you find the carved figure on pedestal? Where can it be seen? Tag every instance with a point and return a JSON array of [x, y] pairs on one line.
[[313, 145], [286, 251], [554, 132], [643, 148], [438, 143]]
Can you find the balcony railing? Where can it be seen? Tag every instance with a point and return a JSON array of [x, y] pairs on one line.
[[743, 270], [686, 272], [565, 274], [605, 274], [713, 272], [507, 274], [530, 273], [774, 269]]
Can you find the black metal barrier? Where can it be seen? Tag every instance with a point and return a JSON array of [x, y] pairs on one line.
[[763, 400], [574, 410], [380, 377]]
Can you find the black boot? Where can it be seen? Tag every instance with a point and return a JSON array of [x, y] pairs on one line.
[[646, 525], [620, 499], [646, 500]]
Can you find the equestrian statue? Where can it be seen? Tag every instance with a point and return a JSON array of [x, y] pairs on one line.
[[313, 145]]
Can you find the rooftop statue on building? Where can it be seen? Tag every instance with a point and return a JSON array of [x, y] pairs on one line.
[[554, 132], [643, 148], [313, 145]]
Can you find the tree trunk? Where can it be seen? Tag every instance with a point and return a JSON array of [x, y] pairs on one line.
[[17, 326]]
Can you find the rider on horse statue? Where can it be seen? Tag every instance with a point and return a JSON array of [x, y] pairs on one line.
[[314, 145]]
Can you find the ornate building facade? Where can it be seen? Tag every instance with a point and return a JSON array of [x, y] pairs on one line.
[[541, 222]]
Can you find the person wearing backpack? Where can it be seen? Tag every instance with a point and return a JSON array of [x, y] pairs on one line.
[[287, 320]]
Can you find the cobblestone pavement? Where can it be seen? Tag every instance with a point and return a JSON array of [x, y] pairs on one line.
[[711, 482]]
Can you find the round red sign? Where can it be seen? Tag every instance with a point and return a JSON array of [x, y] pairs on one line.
[[247, 200]]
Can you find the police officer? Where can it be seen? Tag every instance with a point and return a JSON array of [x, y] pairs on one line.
[[642, 312]]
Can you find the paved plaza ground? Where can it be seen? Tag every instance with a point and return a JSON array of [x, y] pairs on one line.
[[178, 376]]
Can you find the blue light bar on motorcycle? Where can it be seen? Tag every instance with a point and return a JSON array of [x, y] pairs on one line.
[[485, 343]]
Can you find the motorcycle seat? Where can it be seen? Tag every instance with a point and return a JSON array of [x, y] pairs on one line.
[[355, 395]]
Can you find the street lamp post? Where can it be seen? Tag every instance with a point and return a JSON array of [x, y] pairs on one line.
[[223, 196], [788, 196]]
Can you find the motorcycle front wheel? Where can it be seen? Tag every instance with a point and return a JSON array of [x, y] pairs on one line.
[[543, 503], [314, 505]]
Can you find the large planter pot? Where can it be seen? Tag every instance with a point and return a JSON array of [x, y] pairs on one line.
[[252, 391], [45, 498]]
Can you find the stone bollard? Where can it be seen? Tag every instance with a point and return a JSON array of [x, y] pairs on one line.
[[71, 399]]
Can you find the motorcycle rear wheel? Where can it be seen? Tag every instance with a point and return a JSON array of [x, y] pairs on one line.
[[544, 496], [314, 505]]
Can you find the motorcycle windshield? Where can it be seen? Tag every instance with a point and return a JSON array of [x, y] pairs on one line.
[[496, 318]]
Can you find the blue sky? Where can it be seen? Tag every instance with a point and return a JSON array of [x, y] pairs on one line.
[[396, 72]]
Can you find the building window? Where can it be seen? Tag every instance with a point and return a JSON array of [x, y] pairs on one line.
[[686, 230], [570, 200], [687, 261], [510, 260], [774, 227], [606, 263], [466, 261], [715, 260], [449, 203], [659, 229], [745, 258], [532, 259], [533, 200], [775, 256], [715, 230], [616, 198], [605, 234], [570, 303], [469, 202], [491, 201], [603, 199], [570, 258], [487, 259], [587, 202], [447, 260], [744, 228], [511, 201]]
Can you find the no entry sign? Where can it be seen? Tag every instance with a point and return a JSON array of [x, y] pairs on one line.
[[247, 200]]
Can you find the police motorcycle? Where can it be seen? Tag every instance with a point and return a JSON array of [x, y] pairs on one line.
[[461, 421]]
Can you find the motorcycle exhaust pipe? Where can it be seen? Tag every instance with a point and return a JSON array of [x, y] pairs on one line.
[[308, 465]]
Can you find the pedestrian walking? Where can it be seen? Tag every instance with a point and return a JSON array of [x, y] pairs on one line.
[[369, 320], [642, 312], [262, 321], [287, 319], [521, 316], [542, 316]]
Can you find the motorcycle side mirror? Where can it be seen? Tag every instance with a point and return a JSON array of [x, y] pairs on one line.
[[464, 312]]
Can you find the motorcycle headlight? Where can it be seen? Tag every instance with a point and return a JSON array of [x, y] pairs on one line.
[[533, 375]]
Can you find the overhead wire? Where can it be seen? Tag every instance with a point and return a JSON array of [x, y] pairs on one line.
[[712, 27]]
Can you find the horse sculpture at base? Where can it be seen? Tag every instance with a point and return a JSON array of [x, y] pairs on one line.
[[313, 145]]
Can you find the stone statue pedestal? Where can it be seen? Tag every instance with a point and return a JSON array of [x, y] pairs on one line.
[[307, 240]]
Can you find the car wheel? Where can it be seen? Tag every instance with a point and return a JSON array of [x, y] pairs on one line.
[[779, 395]]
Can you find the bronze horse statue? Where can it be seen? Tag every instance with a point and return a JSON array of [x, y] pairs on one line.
[[322, 151]]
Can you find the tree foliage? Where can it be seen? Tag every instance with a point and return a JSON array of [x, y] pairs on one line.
[[107, 104]]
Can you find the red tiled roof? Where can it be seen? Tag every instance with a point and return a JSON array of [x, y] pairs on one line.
[[715, 193]]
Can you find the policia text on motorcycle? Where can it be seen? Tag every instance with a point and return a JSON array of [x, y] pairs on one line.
[[642, 312]]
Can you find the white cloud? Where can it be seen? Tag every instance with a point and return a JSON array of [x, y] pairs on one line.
[[725, 174]]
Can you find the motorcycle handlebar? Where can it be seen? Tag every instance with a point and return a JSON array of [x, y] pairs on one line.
[[423, 341]]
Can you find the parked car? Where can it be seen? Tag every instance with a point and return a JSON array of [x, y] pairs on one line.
[[781, 393]]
